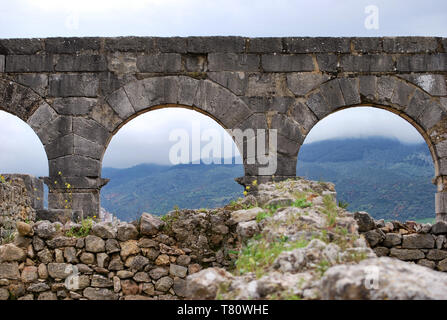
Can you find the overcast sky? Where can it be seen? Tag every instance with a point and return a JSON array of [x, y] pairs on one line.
[[146, 138]]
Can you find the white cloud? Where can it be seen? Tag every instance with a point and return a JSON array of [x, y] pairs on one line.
[[364, 122], [21, 149]]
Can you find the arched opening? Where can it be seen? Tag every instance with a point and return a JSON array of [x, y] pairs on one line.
[[167, 158], [378, 161], [22, 160]]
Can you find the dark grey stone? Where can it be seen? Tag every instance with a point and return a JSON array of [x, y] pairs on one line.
[[29, 63], [317, 45], [81, 63], [161, 62], [233, 62], [72, 45], [367, 63], [287, 62], [74, 85]]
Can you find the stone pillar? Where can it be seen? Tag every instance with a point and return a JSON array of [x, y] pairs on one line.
[[74, 197], [441, 198]]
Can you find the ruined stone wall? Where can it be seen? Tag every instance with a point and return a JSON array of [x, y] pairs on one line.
[[148, 259], [20, 197], [424, 244]]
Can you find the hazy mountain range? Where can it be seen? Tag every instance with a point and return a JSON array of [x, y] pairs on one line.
[[385, 177]]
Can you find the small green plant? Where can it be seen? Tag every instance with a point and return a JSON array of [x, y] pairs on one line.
[[322, 267], [258, 255], [9, 237], [330, 209], [2, 179], [263, 215], [342, 204], [302, 203], [83, 231]]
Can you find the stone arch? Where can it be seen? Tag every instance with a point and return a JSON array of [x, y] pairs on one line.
[[204, 96], [28, 106], [91, 134], [419, 108]]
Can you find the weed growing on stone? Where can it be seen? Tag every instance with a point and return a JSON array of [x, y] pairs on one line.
[[258, 255], [83, 231]]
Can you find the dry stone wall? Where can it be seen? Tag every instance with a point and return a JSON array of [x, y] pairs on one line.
[[424, 244], [20, 197], [148, 259]]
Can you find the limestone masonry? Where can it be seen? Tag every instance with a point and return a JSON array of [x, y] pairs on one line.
[[76, 93]]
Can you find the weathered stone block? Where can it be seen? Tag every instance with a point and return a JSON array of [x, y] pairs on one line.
[[29, 63], [418, 104], [75, 165], [385, 88], [304, 116], [36, 81], [171, 44], [418, 241], [130, 44], [402, 93], [2, 63], [80, 63], [392, 239], [60, 126], [367, 45], [20, 46], [434, 84], [327, 62], [287, 62], [233, 62], [409, 44], [74, 85], [90, 130], [286, 127], [42, 117], [72, 45], [215, 44], [161, 62], [440, 205], [332, 93], [59, 270], [74, 106], [437, 254], [99, 294], [60, 146], [264, 104], [233, 80], [120, 103], [87, 148], [350, 90], [267, 84], [422, 62], [431, 116], [106, 116], [317, 44], [302, 82], [407, 254], [440, 227], [367, 63], [264, 45], [318, 105], [195, 63]]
